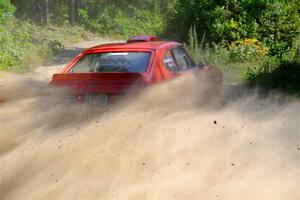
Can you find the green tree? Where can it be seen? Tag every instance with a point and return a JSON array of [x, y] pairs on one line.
[[6, 11], [275, 22], [279, 25]]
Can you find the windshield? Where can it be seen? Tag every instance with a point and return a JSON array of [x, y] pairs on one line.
[[112, 62]]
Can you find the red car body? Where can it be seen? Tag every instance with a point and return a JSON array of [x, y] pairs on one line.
[[160, 67]]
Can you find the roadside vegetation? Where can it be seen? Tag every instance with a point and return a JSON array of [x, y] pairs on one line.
[[255, 42], [25, 45]]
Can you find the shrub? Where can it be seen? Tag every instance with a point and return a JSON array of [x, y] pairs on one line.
[[274, 23], [13, 44], [247, 50], [24, 46], [112, 20], [284, 77], [279, 26]]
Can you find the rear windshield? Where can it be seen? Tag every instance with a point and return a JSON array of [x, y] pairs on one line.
[[112, 62]]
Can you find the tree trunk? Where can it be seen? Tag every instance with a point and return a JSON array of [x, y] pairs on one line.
[[76, 10], [45, 12], [55, 8], [72, 12], [38, 10], [164, 4]]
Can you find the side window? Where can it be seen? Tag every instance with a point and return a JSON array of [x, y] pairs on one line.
[[182, 59], [176, 59], [169, 61]]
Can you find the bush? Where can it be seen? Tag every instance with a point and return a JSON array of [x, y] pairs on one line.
[[13, 42], [246, 50], [279, 26], [218, 55], [12, 48], [6, 9], [24, 46], [274, 23], [112, 20], [285, 77]]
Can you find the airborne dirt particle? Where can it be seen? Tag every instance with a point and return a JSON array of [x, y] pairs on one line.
[[137, 163]]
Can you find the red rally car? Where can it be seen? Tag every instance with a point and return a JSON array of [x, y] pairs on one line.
[[101, 74]]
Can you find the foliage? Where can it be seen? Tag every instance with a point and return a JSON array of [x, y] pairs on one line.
[[24, 45], [113, 17], [193, 45], [247, 61], [279, 25], [278, 74], [12, 40], [275, 23], [247, 50], [45, 42], [285, 76], [257, 40], [113, 20], [6, 9], [218, 55], [12, 46]]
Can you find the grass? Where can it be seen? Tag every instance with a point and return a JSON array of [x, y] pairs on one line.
[[233, 72], [39, 44], [47, 41], [243, 65]]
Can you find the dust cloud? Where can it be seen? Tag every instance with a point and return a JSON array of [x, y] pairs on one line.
[[173, 141]]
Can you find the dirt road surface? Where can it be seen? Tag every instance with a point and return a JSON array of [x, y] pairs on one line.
[[169, 142]]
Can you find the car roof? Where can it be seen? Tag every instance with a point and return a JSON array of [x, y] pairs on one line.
[[155, 45]]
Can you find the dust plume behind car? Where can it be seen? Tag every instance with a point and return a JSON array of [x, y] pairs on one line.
[[164, 144]]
